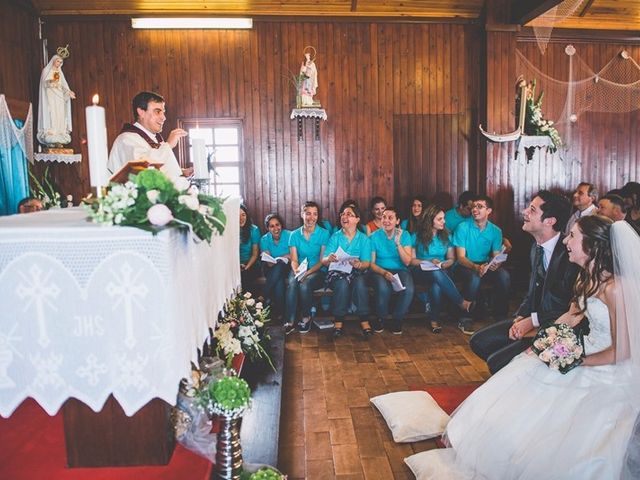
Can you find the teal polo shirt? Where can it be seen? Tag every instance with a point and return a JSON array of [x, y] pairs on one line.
[[280, 249], [387, 255], [246, 247], [479, 245], [309, 249], [436, 249], [452, 219], [326, 224], [359, 246], [404, 225]]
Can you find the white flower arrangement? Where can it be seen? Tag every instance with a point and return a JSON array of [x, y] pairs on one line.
[[241, 329], [535, 123]]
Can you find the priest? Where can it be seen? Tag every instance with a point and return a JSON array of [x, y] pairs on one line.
[[142, 140]]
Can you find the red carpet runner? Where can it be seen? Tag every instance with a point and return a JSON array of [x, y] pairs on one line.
[[448, 397], [33, 449]]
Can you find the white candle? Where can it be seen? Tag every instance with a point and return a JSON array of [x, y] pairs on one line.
[[97, 144], [199, 158]]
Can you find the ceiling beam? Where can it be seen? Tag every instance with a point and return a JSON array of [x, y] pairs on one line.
[[586, 7], [523, 12]]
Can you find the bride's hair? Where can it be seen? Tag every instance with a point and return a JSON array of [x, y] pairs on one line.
[[596, 243]]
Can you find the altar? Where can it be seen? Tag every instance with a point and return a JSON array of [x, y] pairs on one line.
[[95, 312]]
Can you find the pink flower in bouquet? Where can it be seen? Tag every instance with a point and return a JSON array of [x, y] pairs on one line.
[[159, 215], [561, 350]]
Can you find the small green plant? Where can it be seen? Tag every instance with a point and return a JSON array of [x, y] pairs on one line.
[[44, 190], [227, 394]]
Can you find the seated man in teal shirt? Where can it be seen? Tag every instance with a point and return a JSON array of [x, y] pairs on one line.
[[477, 242], [461, 212]]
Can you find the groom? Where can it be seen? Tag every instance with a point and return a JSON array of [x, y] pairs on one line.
[[550, 286]]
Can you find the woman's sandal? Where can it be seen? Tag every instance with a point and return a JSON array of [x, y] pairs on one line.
[[337, 332], [436, 327]]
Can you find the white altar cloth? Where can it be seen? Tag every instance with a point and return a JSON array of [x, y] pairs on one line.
[[90, 310]]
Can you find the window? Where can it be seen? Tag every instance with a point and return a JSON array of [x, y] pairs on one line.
[[223, 153]]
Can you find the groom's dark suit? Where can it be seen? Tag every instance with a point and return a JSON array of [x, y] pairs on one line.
[[493, 344]]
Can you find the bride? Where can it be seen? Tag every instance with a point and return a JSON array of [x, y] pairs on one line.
[[529, 421]]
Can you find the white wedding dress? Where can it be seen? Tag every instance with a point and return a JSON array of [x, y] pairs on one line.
[[531, 422]]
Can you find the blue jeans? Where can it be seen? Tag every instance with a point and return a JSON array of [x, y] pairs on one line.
[[383, 291], [301, 293], [439, 284], [501, 281], [344, 293], [274, 286]]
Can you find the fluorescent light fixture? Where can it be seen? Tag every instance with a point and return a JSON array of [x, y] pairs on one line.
[[192, 23]]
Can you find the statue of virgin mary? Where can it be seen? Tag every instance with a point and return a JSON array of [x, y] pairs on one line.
[[54, 106]]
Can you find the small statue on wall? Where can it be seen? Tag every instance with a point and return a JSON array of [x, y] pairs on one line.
[[309, 78], [54, 106]]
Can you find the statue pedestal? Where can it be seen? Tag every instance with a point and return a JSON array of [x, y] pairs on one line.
[[58, 157], [301, 114]]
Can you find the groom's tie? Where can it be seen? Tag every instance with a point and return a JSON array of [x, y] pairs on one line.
[[540, 273]]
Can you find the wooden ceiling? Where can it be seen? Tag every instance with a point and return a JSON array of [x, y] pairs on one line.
[[592, 14]]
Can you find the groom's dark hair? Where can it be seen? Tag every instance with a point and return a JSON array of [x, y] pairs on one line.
[[555, 206]]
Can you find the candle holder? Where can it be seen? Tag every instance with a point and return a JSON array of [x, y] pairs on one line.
[[203, 184]]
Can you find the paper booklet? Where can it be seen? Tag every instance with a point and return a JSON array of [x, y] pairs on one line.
[[429, 266], [396, 283], [323, 323], [302, 268], [265, 257], [498, 259], [133, 167], [343, 264]]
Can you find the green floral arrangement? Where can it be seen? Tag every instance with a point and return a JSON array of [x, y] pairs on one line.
[[44, 190], [227, 396], [263, 473], [241, 329], [534, 121], [151, 201]]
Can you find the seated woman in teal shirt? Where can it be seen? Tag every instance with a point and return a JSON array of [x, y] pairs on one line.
[[418, 206], [391, 254], [433, 245], [249, 241], [306, 244], [276, 244], [349, 282]]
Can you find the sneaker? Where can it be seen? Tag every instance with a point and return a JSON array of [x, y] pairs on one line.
[[427, 307], [304, 326], [396, 327], [289, 328], [376, 325], [466, 328]]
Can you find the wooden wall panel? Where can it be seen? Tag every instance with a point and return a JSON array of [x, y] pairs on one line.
[[19, 52], [601, 148], [369, 75]]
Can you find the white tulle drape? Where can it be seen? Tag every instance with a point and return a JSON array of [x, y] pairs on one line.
[[626, 245]]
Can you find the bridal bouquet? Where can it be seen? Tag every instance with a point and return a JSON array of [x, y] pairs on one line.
[[241, 329], [559, 347], [150, 201]]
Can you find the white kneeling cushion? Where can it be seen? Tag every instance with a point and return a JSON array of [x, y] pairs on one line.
[[437, 464], [411, 416]]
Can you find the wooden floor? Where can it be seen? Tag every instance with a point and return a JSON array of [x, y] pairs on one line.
[[329, 429]]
